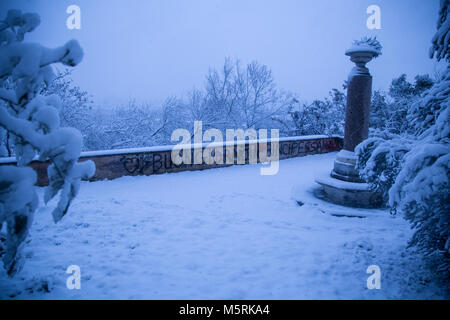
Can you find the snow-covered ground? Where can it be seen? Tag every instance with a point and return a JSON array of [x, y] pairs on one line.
[[226, 233]]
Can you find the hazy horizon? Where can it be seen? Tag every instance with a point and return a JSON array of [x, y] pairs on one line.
[[149, 50]]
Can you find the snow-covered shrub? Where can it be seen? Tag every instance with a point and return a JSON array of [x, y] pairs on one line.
[[422, 113], [335, 115], [397, 112], [18, 201], [380, 161], [418, 170], [422, 193], [364, 151], [403, 94], [76, 106], [413, 175], [378, 110], [33, 122], [321, 116], [441, 40]]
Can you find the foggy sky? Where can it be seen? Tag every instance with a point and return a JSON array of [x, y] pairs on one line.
[[148, 49]]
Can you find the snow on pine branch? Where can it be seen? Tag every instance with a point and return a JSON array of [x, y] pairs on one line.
[[17, 195], [441, 40], [15, 19], [34, 124]]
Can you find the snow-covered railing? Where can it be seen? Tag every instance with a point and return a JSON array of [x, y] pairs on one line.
[[116, 163]]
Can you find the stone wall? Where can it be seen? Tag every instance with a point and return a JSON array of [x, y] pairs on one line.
[[113, 164]]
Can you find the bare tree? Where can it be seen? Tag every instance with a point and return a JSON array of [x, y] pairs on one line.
[[241, 97]]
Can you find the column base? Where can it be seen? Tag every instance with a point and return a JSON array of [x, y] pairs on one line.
[[344, 185], [351, 194]]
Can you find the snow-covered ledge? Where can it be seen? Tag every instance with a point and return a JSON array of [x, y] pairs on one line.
[[116, 163]]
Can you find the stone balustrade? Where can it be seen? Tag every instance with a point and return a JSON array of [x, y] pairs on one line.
[[116, 163]]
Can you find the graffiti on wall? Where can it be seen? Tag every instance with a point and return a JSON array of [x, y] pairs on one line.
[[160, 162], [140, 163], [149, 163]]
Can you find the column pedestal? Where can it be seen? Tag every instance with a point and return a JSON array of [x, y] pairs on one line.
[[344, 186]]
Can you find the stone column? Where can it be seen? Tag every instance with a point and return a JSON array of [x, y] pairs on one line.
[[343, 185], [359, 92]]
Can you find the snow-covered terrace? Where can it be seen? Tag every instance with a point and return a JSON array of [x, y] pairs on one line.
[[227, 233]]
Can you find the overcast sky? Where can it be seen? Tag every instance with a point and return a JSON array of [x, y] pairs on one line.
[[150, 49]]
